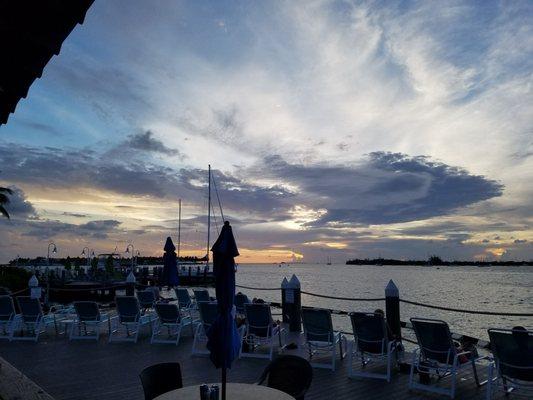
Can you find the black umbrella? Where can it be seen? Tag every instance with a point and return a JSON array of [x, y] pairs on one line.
[[223, 338], [170, 269]]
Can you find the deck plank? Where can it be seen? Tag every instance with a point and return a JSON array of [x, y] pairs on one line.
[[88, 370]]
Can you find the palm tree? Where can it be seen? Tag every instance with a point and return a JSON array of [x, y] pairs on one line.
[[4, 200]]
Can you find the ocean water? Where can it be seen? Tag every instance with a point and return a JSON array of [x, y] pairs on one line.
[[501, 289]]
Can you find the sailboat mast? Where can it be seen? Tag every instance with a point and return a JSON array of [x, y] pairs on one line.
[[179, 228], [208, 211]]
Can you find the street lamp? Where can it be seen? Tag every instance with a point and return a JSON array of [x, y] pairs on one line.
[[54, 251], [136, 257], [86, 255], [132, 253]]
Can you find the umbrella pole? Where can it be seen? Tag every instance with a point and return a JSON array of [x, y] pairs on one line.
[[223, 383]]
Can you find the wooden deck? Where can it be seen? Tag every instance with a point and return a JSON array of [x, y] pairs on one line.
[[90, 370]]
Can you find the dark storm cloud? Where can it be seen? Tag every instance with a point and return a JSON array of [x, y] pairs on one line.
[[19, 207], [238, 195], [53, 167], [383, 188], [146, 142], [46, 229], [386, 188]]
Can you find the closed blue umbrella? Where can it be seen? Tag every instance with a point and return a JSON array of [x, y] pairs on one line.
[[223, 338], [170, 268]]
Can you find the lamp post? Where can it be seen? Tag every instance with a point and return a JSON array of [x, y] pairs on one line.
[[132, 253], [54, 250], [137, 258], [86, 255]]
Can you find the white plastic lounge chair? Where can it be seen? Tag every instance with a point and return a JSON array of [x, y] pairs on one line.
[[512, 369], [32, 321], [146, 300], [240, 301], [169, 319], [438, 356], [201, 295], [88, 321], [320, 336], [8, 317], [371, 343], [260, 330], [208, 313], [187, 306], [129, 319]]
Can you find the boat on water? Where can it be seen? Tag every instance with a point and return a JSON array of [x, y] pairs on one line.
[[328, 260]]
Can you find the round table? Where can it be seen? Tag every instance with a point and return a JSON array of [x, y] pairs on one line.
[[234, 391]]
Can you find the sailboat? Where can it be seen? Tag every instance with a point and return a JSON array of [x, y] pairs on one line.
[[328, 260], [210, 180]]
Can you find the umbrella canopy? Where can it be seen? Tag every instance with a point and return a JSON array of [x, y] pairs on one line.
[[223, 338], [170, 268]]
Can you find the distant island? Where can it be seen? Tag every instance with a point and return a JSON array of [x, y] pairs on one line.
[[434, 260]]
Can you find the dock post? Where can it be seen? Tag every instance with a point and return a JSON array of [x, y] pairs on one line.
[[392, 309], [292, 304], [35, 290], [130, 284], [284, 305]]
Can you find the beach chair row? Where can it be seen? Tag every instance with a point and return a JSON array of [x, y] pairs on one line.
[[510, 365]]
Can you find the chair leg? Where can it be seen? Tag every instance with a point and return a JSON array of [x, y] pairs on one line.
[[412, 371], [489, 383], [454, 381], [333, 356], [475, 373], [350, 358], [389, 362]]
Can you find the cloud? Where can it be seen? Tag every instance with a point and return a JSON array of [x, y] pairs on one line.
[[384, 188], [146, 142], [47, 229], [75, 215], [19, 207]]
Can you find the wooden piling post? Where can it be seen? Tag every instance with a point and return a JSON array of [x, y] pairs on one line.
[[392, 309]]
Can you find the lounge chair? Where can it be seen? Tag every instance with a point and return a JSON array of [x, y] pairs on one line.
[[371, 343], [184, 299], [201, 295], [88, 321], [290, 374], [438, 356], [260, 330], [513, 362], [32, 321], [240, 301], [130, 319], [320, 336], [169, 318], [208, 314], [146, 300], [8, 317]]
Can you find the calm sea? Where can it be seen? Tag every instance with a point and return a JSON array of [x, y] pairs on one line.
[[502, 289]]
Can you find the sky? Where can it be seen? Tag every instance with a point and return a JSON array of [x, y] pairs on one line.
[[334, 129]]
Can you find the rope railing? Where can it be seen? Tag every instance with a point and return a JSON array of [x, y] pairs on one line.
[[503, 314], [255, 288], [343, 298]]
